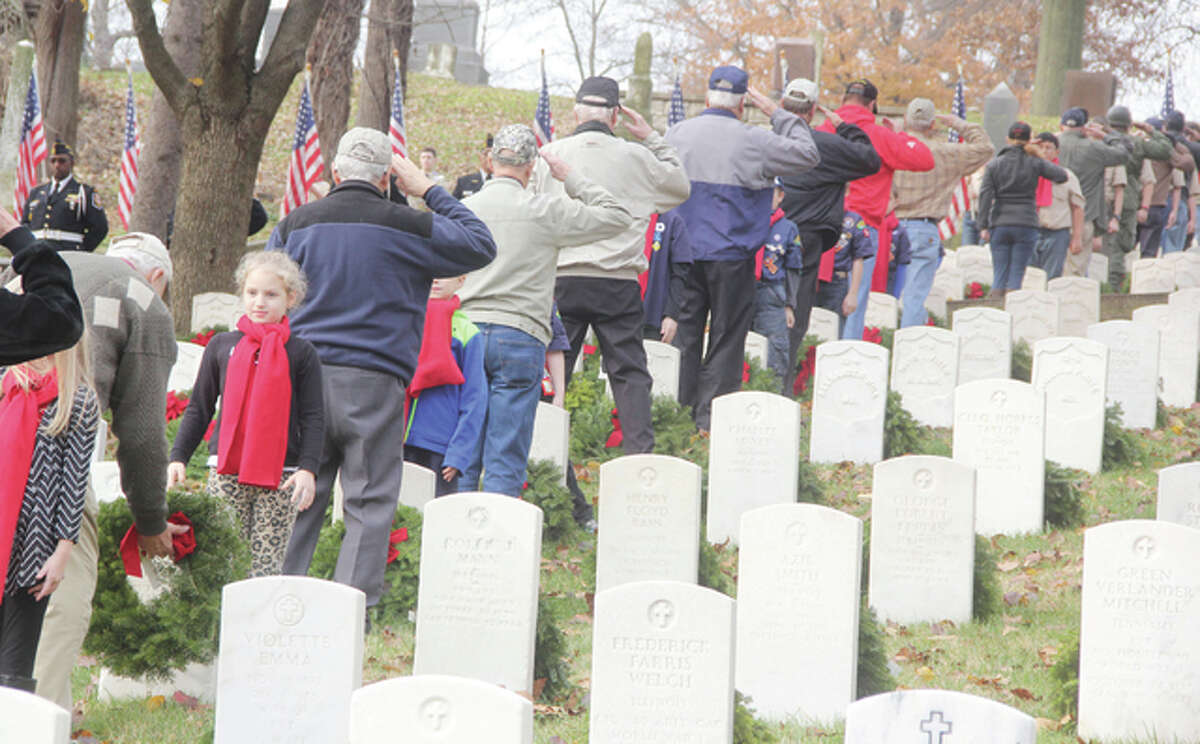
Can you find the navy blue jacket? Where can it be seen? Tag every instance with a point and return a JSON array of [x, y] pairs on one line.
[[670, 263], [369, 264]]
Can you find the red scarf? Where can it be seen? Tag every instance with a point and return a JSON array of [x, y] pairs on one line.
[[257, 404], [758, 257], [644, 277], [436, 364], [20, 414], [1045, 191]]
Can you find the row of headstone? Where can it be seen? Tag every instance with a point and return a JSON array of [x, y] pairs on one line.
[[974, 264], [1180, 270], [1179, 494], [1178, 324]]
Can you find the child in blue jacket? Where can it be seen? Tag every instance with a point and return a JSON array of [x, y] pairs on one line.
[[447, 398], [777, 268]]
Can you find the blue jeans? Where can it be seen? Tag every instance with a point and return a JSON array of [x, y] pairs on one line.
[[852, 330], [1012, 246], [513, 362], [831, 294], [926, 247], [770, 319], [1050, 252], [1172, 239]]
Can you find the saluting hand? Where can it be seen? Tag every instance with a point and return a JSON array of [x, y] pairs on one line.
[[558, 167], [412, 179], [830, 116], [761, 102], [635, 123], [8, 223]]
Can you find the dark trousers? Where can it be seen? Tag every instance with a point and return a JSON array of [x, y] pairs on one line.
[[432, 460], [1150, 233], [20, 629], [831, 295], [814, 244], [726, 290], [613, 308], [364, 439]]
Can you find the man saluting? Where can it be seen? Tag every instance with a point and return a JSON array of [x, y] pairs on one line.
[[64, 212]]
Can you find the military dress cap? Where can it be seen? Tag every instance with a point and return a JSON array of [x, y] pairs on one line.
[[864, 89], [61, 148], [515, 144], [801, 90], [1075, 117], [1020, 131], [599, 91], [920, 112], [1119, 117], [729, 79]]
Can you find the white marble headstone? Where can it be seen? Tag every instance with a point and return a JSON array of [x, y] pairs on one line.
[[950, 260], [26, 718], [1073, 373], [1187, 269], [1035, 315], [947, 285], [662, 361], [1034, 278], [662, 665], [985, 349], [214, 309], [823, 324], [1151, 275], [925, 372], [799, 568], [1179, 350], [106, 481], [98, 453], [1078, 303], [1098, 268], [477, 592], [756, 348], [418, 485], [291, 654], [1130, 258], [753, 457], [551, 437], [999, 429], [882, 311], [975, 262], [439, 709], [936, 717], [1139, 652], [922, 540], [1132, 370], [849, 401], [649, 517], [187, 364], [1187, 298], [1179, 494]]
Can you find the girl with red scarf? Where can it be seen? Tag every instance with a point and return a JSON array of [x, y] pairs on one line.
[[48, 419], [269, 434]]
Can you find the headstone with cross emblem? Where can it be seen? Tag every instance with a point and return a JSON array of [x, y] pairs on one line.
[[437, 709], [975, 263], [849, 400], [27, 718], [662, 362], [985, 349], [1078, 303], [662, 665], [925, 372], [882, 311], [999, 429], [551, 437], [1035, 315], [799, 571], [753, 457], [1151, 275], [291, 654], [922, 540], [649, 516], [1073, 373], [936, 717], [1034, 278], [1132, 370], [215, 310], [1179, 494], [477, 592], [1139, 652]]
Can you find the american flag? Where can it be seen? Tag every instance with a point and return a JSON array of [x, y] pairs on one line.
[[32, 148], [543, 122], [129, 159], [396, 125], [1168, 106], [676, 112], [960, 201], [304, 168]]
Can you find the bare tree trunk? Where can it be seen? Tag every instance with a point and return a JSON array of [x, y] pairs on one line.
[[1060, 44], [389, 27], [58, 34], [162, 140], [331, 52], [104, 39]]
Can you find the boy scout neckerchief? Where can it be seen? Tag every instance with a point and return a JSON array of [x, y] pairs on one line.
[[1045, 191], [258, 404], [758, 257]]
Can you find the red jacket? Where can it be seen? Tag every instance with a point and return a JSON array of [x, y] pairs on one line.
[[869, 196]]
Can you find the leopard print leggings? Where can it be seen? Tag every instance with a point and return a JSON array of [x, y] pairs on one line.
[[267, 516]]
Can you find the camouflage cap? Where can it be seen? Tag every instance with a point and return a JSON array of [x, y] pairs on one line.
[[515, 144]]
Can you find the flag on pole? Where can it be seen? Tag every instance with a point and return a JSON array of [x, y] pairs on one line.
[[543, 121], [129, 157], [960, 201], [396, 125], [1168, 106], [675, 112], [31, 150], [304, 168]]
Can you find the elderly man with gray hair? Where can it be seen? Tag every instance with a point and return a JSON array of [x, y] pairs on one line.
[[370, 263], [510, 300], [922, 199]]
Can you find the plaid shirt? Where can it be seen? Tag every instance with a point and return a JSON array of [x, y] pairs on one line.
[[916, 195]]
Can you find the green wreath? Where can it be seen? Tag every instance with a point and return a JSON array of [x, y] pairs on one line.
[[180, 626]]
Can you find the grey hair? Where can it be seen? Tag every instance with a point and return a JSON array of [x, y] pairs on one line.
[[279, 264], [724, 99], [353, 169], [799, 108], [587, 112]]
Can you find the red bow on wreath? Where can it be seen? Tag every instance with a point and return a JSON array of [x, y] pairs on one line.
[[745, 371], [184, 544], [176, 405], [203, 337], [616, 437], [974, 291], [807, 367], [398, 536], [874, 335]]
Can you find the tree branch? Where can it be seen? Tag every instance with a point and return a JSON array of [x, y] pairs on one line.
[[286, 56], [166, 74], [254, 15], [562, 5]]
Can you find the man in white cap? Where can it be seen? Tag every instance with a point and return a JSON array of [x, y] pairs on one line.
[[922, 199]]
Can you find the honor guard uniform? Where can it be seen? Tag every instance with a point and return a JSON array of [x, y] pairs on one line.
[[64, 212]]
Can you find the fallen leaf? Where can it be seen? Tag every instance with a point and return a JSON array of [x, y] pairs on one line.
[[910, 655], [1008, 561], [155, 702], [1047, 654], [941, 628], [196, 81], [1014, 598], [538, 685], [186, 700], [925, 673], [1032, 559], [1047, 724], [1022, 693]]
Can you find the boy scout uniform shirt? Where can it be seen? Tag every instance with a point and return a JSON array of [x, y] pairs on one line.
[[781, 252], [855, 243], [70, 218]]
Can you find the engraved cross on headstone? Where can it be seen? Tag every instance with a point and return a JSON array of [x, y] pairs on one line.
[[935, 726]]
